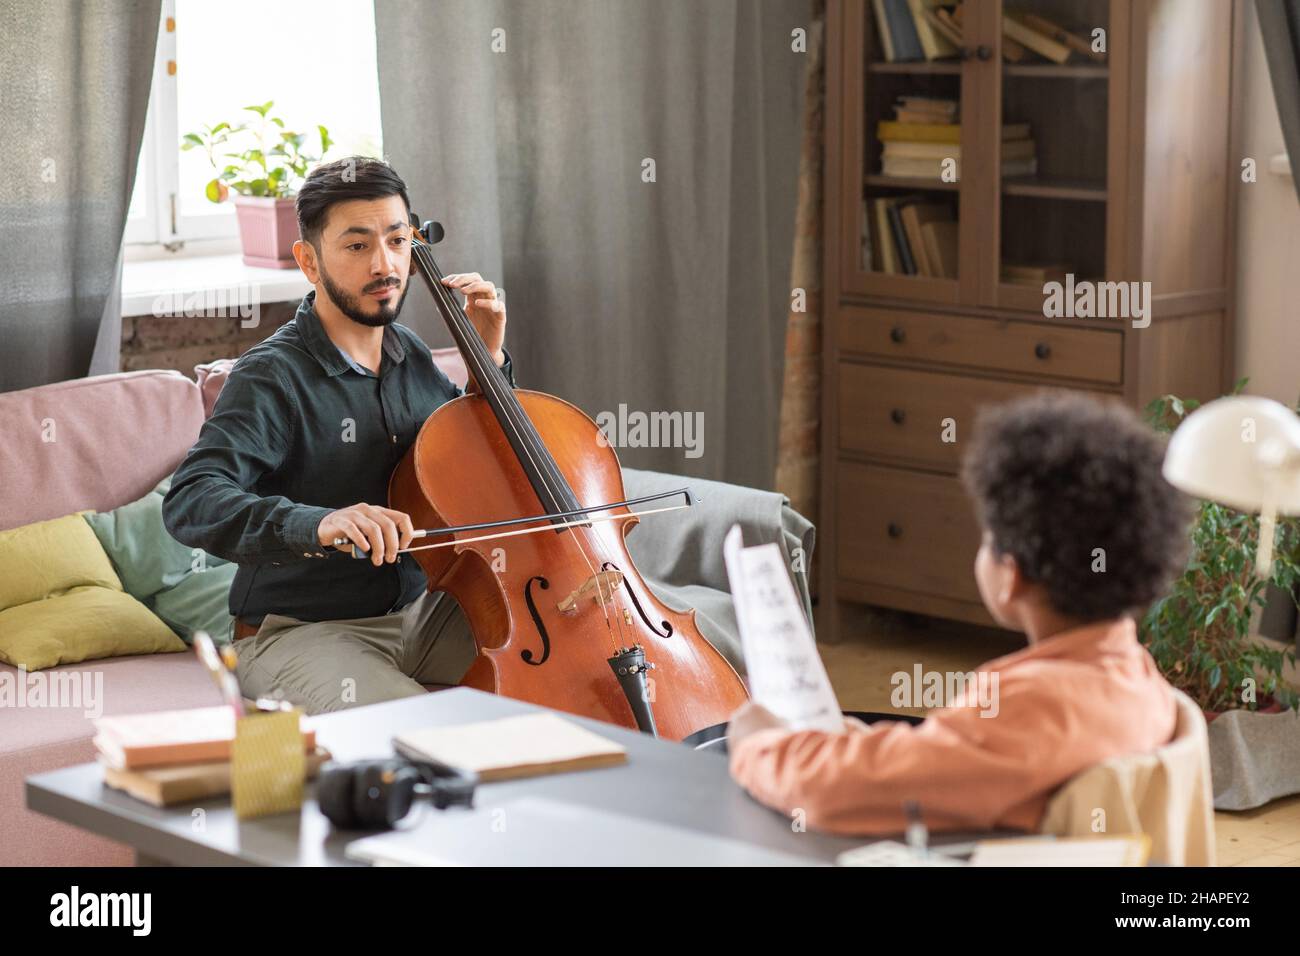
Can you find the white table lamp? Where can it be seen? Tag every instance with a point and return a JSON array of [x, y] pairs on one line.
[[1243, 452]]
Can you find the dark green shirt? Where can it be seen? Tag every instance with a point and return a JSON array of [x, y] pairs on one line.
[[298, 431]]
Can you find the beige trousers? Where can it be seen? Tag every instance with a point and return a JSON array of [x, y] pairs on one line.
[[325, 666]]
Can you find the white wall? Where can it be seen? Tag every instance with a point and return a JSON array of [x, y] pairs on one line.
[[1268, 240]]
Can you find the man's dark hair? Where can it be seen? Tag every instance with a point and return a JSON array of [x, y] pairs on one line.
[[1057, 476], [356, 177]]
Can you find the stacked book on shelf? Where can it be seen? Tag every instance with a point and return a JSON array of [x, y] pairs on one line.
[[924, 30], [924, 142]]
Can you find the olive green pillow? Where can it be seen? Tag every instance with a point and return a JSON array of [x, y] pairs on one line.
[[61, 602]]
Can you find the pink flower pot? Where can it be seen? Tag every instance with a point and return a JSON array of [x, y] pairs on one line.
[[268, 229]]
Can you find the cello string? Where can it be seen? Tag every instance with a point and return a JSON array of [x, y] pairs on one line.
[[473, 346]]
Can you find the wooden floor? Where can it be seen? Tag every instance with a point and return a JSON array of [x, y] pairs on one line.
[[876, 644]]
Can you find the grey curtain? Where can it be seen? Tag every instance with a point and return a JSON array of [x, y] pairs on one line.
[[1279, 22], [75, 77], [525, 128]]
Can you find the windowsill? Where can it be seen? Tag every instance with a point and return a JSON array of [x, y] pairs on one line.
[[214, 282]]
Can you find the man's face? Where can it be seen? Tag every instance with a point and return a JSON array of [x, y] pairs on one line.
[[364, 259]]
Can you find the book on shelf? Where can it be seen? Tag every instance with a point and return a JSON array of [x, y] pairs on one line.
[[866, 261], [1012, 52], [940, 240], [1041, 44], [898, 37], [892, 130], [902, 149], [925, 109], [1055, 31], [1020, 273], [915, 216], [934, 44], [907, 265], [882, 238], [941, 21], [908, 167]]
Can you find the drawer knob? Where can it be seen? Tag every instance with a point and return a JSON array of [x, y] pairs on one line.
[[896, 334], [895, 530], [1042, 350], [896, 416]]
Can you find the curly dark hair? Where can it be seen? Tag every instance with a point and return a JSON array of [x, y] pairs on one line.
[[1056, 476]]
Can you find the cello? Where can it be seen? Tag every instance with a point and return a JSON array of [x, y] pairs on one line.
[[528, 499]]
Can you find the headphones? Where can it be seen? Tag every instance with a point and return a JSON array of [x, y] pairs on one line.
[[377, 794]]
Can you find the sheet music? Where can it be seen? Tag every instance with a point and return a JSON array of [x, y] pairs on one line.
[[786, 674]]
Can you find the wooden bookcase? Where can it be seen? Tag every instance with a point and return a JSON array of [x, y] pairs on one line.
[[1136, 182]]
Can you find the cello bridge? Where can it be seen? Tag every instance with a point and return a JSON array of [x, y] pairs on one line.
[[600, 587]]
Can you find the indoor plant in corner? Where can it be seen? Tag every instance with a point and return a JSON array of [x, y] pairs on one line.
[[263, 163], [1199, 635]]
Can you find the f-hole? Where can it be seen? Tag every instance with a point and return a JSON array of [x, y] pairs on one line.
[[527, 653], [667, 628]]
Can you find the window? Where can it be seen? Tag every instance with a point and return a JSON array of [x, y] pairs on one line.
[[314, 58]]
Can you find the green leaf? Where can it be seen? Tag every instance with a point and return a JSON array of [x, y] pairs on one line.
[[325, 141], [190, 140]]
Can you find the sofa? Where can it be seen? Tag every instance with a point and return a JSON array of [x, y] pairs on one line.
[[101, 442]]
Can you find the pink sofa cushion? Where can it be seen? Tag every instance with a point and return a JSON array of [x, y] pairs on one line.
[[92, 442], [212, 375]]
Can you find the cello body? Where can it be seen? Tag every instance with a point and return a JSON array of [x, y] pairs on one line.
[[544, 634]]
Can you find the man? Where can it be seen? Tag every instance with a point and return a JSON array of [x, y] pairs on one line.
[[298, 452]]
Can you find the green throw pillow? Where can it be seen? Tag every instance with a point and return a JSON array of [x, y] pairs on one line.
[[186, 587]]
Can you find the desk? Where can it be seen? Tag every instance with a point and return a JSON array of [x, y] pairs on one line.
[[662, 782]]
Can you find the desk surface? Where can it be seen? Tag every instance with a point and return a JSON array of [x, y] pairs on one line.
[[662, 782]]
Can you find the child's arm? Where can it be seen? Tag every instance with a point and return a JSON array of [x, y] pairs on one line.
[[966, 771]]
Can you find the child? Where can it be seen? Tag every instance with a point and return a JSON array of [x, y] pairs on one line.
[[1080, 532]]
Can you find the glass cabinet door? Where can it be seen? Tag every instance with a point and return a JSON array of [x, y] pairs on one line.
[[904, 117], [1053, 147]]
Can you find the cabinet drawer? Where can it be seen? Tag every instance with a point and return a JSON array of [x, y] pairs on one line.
[[900, 413], [906, 530], [1006, 345]]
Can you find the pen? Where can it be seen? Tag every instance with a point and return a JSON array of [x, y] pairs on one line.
[[221, 668]]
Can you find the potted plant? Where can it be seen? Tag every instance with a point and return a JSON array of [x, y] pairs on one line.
[[1199, 635], [263, 163]]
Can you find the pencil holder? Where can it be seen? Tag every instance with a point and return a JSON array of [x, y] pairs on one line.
[[267, 764]]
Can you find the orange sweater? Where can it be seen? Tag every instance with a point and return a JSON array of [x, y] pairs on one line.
[[1064, 704]]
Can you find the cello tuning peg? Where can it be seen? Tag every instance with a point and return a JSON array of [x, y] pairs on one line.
[[432, 232]]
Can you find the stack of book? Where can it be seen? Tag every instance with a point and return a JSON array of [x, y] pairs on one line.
[[911, 235], [171, 756], [924, 142]]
